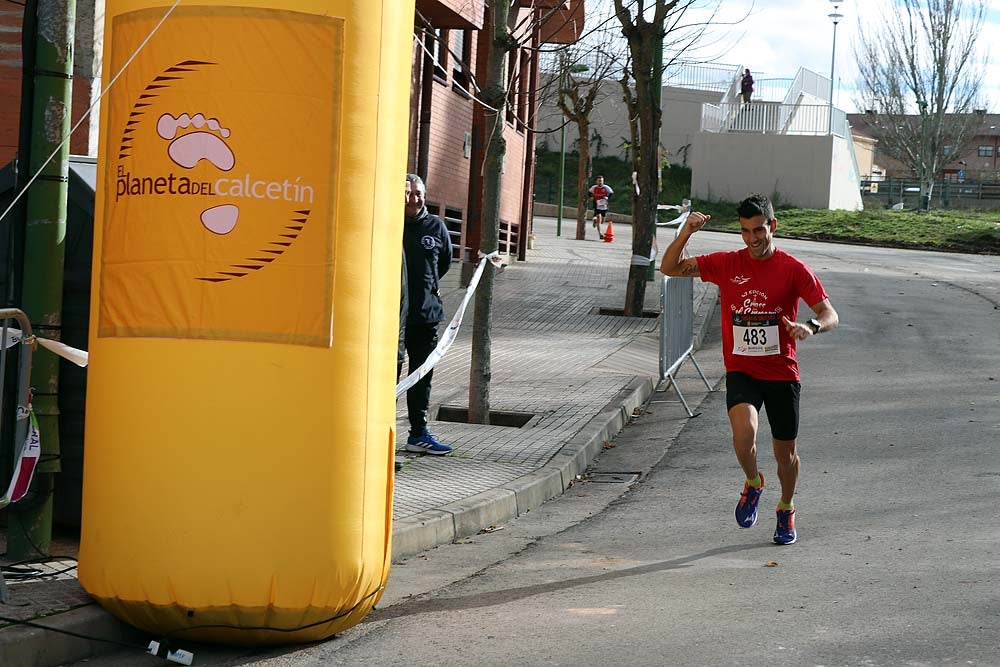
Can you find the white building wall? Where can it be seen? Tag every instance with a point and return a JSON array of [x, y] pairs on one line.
[[845, 181], [791, 170], [682, 120], [808, 171]]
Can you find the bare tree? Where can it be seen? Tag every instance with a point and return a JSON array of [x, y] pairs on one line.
[[507, 27], [581, 86], [922, 56], [645, 24]]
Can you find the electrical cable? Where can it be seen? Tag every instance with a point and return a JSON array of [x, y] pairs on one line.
[[222, 626], [78, 635]]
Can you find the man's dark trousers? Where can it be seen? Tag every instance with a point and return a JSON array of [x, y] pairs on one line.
[[421, 339]]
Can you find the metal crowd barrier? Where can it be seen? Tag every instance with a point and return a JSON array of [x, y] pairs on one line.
[[20, 340], [677, 333]]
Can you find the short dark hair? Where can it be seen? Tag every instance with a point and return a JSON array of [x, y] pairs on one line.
[[754, 205], [417, 181]]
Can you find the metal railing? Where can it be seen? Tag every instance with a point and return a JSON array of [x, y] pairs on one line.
[[772, 118], [699, 76], [677, 332], [905, 193], [808, 84]]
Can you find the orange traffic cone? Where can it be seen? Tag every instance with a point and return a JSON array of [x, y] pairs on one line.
[[609, 233]]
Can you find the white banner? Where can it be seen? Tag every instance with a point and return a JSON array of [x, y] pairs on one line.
[[27, 461], [452, 331]]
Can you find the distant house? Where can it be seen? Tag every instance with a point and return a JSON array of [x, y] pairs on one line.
[[978, 163]]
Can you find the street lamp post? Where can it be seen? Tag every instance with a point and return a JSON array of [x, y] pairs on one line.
[[835, 17], [925, 195]]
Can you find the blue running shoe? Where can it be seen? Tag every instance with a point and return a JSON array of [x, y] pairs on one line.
[[746, 509], [784, 533], [425, 443]]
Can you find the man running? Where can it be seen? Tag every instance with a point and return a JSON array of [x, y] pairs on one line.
[[600, 193], [759, 291]]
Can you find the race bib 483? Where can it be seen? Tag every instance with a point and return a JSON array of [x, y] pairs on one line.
[[755, 334]]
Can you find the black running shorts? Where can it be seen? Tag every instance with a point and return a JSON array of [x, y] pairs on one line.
[[780, 399]]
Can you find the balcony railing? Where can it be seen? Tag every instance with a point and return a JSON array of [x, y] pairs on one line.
[[772, 118]]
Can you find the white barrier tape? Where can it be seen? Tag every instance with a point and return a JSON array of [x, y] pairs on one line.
[[27, 461], [639, 260], [14, 336], [78, 357], [676, 222], [452, 331]]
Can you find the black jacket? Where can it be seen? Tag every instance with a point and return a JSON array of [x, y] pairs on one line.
[[427, 247]]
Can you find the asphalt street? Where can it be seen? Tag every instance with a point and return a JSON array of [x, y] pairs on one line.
[[896, 562]]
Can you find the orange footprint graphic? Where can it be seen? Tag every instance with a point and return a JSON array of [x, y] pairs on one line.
[[187, 150]]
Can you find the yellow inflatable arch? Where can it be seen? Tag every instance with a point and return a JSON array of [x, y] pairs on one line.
[[240, 413]]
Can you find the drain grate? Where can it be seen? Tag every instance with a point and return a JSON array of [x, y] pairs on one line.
[[614, 477]]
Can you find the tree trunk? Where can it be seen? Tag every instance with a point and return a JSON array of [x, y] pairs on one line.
[[644, 211], [481, 371], [583, 124]]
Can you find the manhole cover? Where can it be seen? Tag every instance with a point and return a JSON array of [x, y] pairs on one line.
[[614, 477]]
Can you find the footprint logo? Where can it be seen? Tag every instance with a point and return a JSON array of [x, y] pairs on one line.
[[188, 149]]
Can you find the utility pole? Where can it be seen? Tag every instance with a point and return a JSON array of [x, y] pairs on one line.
[[29, 531], [562, 147]]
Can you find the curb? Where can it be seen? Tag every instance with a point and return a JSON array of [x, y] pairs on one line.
[[431, 528], [25, 646], [451, 522]]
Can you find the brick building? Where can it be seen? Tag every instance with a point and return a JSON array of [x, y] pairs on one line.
[[86, 77], [446, 126]]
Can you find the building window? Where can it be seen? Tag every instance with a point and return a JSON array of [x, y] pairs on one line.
[[462, 51], [440, 51], [522, 90], [453, 222], [985, 151], [512, 85]]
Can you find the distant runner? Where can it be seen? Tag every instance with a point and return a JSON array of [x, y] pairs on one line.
[[759, 290], [600, 194]]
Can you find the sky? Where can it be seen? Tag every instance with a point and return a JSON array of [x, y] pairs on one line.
[[779, 36]]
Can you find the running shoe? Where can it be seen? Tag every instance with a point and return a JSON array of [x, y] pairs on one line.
[[746, 509], [784, 533], [425, 443]]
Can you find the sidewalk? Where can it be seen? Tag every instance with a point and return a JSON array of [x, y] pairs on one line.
[[574, 374]]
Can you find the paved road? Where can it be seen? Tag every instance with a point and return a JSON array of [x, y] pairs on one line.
[[896, 562]]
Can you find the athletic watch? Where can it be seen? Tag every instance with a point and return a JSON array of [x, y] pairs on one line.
[[814, 325]]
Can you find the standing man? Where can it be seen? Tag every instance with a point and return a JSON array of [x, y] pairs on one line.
[[759, 290], [600, 193], [427, 255], [746, 86]]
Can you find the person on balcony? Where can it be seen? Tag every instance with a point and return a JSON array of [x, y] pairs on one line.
[[746, 86]]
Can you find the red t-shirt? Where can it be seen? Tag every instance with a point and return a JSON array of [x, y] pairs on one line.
[[754, 294], [601, 194]]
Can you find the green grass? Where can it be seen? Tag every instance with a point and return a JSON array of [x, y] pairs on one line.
[[976, 232], [956, 231]]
